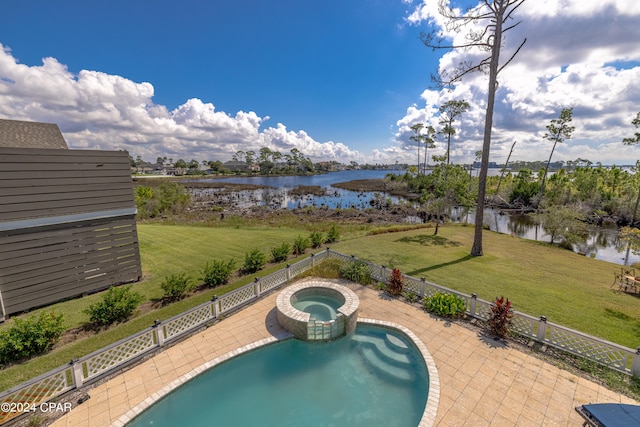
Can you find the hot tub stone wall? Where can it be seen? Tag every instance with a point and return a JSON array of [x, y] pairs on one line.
[[299, 323]]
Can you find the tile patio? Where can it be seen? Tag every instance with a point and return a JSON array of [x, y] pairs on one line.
[[481, 384]]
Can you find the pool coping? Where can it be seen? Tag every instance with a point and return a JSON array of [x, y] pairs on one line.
[[433, 397], [299, 322]]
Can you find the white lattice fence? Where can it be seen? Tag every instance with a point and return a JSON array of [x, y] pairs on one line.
[[376, 272], [338, 255], [235, 298], [483, 310], [299, 267], [39, 390], [524, 325], [604, 352], [117, 354], [411, 284], [178, 325], [273, 280]]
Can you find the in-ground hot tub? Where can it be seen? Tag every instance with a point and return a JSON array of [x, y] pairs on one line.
[[317, 310]]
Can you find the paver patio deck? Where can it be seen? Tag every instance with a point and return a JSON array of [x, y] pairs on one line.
[[481, 383]]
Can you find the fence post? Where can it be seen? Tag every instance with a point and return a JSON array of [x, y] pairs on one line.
[[158, 331], [635, 365], [77, 372], [383, 273], [541, 335], [256, 287], [472, 305], [288, 272], [313, 260], [216, 309], [423, 287]]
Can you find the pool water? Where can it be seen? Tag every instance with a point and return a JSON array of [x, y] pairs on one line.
[[373, 377], [320, 307]]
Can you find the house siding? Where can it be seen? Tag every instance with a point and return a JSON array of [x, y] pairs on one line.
[[67, 225]]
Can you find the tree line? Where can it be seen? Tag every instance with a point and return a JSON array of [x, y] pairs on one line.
[[265, 161]]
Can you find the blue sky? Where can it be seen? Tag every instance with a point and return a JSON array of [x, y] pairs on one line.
[[336, 79]]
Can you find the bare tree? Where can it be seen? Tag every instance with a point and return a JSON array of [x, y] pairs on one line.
[[504, 169], [493, 17]]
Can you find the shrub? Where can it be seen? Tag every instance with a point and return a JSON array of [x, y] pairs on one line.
[[356, 271], [395, 282], [281, 253], [300, 245], [327, 268], [317, 238], [28, 337], [217, 272], [176, 286], [411, 297], [168, 197], [117, 305], [254, 260], [446, 305], [333, 234], [500, 318]]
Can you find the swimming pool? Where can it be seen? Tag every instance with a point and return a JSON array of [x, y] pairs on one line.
[[375, 376]]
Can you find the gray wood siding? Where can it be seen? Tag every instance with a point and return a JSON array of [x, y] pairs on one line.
[[40, 183], [47, 262]]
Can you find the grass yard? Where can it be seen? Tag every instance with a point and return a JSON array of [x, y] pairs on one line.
[[539, 279], [569, 289], [164, 250]]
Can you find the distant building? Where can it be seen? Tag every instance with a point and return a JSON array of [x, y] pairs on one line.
[[236, 166], [331, 166]]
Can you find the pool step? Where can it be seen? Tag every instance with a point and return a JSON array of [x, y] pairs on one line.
[[384, 357], [396, 343], [386, 351]]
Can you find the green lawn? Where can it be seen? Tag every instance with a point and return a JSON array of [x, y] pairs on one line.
[[540, 280], [164, 250]]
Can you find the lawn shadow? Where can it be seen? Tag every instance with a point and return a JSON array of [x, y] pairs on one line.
[[430, 240], [616, 314], [444, 264]]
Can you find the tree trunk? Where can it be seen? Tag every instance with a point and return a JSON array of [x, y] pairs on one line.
[[546, 169], [476, 249], [425, 159], [506, 165]]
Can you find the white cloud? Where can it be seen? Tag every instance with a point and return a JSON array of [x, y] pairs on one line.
[[96, 110], [581, 54]]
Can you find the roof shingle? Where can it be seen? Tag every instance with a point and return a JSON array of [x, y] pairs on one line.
[[21, 134]]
